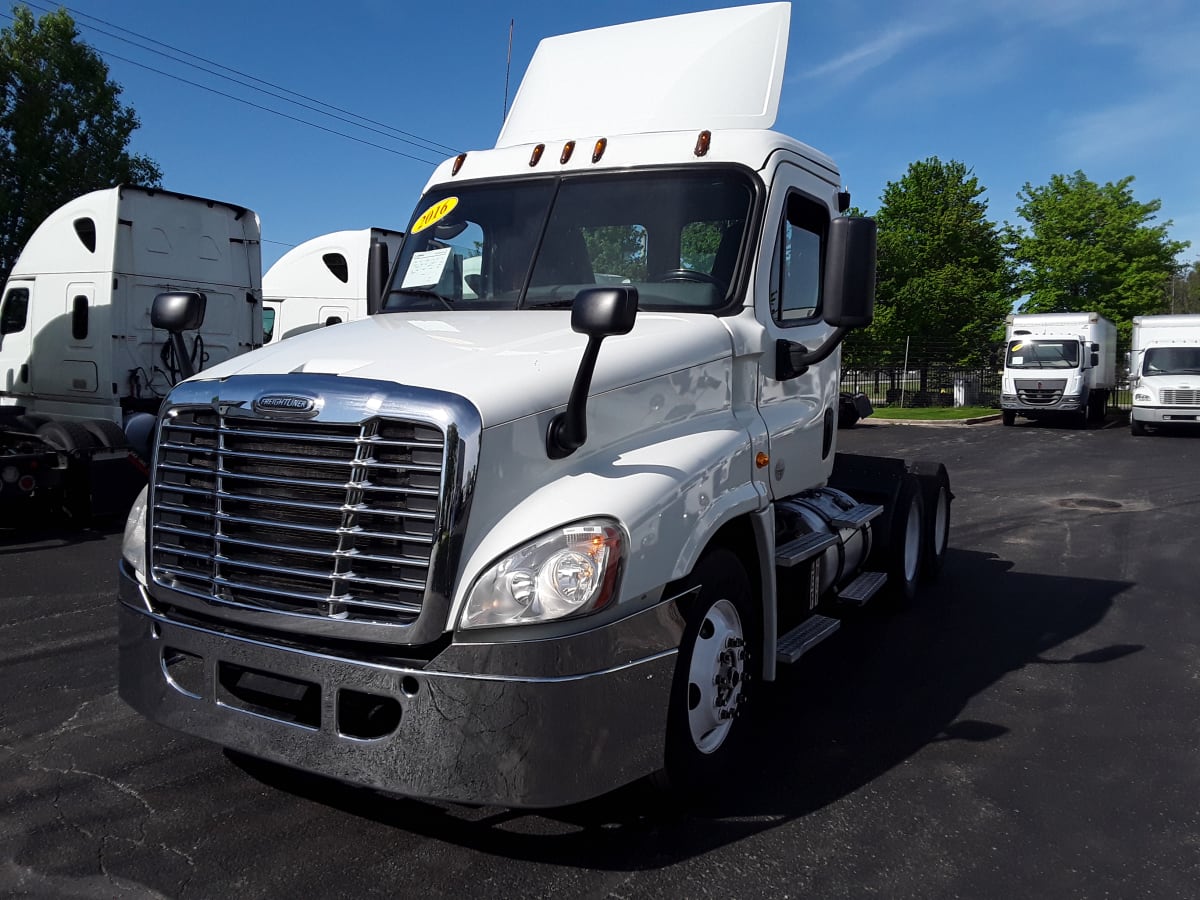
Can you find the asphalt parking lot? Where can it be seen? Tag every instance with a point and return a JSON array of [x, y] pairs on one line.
[[1030, 728]]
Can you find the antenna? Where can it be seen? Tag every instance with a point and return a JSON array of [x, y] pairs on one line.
[[507, 66]]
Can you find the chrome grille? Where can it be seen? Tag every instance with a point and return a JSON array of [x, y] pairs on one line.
[[1181, 398], [324, 520], [1039, 396]]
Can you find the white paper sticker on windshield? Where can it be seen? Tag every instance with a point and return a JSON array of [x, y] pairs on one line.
[[1018, 360], [425, 268]]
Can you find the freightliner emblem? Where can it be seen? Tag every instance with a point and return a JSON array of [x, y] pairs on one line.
[[286, 405]]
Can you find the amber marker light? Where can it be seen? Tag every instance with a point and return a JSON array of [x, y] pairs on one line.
[[762, 460], [536, 156], [702, 143], [458, 161], [598, 150], [568, 149]]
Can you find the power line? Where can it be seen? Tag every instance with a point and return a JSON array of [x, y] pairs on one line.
[[110, 54], [416, 140], [275, 112]]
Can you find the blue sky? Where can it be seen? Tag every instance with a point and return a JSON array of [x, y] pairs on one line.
[[1016, 90]]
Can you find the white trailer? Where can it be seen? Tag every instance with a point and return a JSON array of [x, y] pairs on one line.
[[1058, 363], [541, 525], [81, 363], [321, 282], [1164, 372]]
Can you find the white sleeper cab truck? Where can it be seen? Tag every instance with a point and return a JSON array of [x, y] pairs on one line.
[[321, 282], [1164, 370], [83, 366], [524, 539], [1056, 364]]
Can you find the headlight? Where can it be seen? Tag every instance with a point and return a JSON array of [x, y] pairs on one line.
[[1142, 397], [133, 545], [568, 572]]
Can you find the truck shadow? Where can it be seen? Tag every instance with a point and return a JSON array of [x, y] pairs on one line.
[[863, 702]]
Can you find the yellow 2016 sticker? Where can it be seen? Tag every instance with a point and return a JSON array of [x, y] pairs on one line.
[[434, 214]]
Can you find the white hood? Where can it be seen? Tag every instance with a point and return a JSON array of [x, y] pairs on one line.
[[509, 364]]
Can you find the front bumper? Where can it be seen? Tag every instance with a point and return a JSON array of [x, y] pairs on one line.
[[1074, 404], [1166, 415], [497, 734]]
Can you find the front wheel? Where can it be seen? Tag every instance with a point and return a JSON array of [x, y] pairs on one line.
[[1136, 428], [714, 675], [1008, 416]]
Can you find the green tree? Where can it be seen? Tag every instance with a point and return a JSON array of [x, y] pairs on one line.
[[63, 129], [1092, 248], [943, 277]]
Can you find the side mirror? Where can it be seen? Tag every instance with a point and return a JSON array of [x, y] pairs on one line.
[[848, 293], [377, 273], [1095, 359], [177, 312], [598, 312]]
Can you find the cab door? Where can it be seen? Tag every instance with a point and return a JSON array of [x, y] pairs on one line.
[[16, 336], [799, 411]]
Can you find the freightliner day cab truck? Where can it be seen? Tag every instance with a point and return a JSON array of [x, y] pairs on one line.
[[1058, 364], [321, 282], [1164, 369], [83, 368], [526, 543]]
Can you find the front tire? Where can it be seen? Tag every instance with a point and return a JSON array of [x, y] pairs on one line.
[[1008, 417], [1136, 428], [714, 676]]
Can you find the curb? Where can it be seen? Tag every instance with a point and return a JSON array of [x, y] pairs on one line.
[[976, 420]]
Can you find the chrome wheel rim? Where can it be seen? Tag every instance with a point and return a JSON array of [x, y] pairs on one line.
[[716, 676]]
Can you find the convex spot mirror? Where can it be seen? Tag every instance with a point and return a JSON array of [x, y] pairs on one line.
[[849, 288], [178, 311]]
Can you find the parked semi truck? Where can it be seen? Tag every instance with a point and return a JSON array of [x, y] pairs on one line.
[[524, 539], [1056, 364], [82, 367], [1164, 372], [321, 282]]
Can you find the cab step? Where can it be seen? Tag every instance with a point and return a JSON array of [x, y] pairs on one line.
[[862, 588], [804, 548], [804, 637], [856, 516]]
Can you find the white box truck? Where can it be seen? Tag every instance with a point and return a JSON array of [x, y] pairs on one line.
[[1164, 372], [83, 368], [528, 536], [321, 282], [1056, 364]]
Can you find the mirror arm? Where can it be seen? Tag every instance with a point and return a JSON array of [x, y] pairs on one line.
[[182, 357], [568, 430], [792, 360]]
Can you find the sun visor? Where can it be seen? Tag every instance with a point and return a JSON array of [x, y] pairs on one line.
[[706, 70]]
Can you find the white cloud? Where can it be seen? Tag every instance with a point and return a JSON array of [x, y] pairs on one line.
[[875, 52]]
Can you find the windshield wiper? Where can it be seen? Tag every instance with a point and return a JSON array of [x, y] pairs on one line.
[[552, 304], [422, 292]]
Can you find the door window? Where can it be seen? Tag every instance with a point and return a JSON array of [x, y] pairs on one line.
[[796, 273], [15, 311]]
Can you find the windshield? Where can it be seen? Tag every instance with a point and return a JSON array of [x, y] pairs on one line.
[[1052, 354], [677, 237], [1172, 361]]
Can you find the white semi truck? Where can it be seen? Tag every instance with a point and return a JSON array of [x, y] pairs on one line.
[[526, 537], [83, 368], [1164, 372], [321, 282], [1056, 364]]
